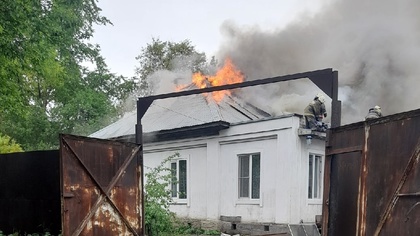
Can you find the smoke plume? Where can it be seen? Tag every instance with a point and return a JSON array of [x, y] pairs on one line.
[[374, 45]]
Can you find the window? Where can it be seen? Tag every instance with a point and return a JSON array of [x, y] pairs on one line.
[[315, 176], [249, 176], [179, 179]]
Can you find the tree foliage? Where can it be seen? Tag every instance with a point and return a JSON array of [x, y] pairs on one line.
[[8, 145], [166, 55], [45, 86]]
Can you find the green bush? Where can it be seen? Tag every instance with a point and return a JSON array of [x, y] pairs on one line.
[[159, 220]]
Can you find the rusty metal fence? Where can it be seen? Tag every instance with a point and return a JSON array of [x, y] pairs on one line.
[[88, 187], [372, 178]]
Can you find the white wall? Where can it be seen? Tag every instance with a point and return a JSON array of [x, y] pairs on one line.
[[310, 207], [213, 171], [195, 153]]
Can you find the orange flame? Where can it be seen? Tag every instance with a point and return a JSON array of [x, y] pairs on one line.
[[228, 74]]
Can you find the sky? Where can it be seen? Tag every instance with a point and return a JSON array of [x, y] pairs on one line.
[[136, 22], [374, 45]]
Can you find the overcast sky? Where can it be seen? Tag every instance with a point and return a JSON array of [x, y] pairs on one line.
[[136, 22]]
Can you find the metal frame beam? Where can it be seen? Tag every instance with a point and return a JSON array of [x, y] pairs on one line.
[[326, 80]]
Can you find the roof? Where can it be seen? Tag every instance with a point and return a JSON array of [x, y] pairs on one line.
[[181, 112]]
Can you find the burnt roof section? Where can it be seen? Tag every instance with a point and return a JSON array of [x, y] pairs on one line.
[[177, 114]]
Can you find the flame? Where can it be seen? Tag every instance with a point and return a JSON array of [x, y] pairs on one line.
[[228, 74]]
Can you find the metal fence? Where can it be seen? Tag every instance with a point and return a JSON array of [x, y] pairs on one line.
[[372, 178], [30, 192], [88, 187]]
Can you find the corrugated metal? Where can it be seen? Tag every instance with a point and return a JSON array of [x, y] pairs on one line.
[[372, 184], [182, 112], [101, 187]]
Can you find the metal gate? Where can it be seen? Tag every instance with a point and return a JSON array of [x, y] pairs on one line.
[[101, 187], [372, 179]]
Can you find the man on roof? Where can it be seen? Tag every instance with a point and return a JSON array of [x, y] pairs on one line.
[[315, 112], [374, 113]]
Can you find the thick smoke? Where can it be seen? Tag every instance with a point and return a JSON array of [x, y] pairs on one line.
[[374, 45]]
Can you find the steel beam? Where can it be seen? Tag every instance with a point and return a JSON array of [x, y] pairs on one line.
[[326, 80]]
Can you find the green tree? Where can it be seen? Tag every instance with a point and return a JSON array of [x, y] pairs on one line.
[[166, 55], [44, 87], [8, 145]]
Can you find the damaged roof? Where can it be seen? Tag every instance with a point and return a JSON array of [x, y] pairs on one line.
[[182, 112]]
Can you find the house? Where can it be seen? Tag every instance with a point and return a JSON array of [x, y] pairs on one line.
[[239, 170]]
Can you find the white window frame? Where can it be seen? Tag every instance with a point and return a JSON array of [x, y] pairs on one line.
[[176, 199], [314, 194], [249, 199]]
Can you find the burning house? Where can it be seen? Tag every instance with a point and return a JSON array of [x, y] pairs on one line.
[[240, 169]]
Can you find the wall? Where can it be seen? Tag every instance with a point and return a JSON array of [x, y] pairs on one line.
[[195, 153], [310, 207], [213, 171]]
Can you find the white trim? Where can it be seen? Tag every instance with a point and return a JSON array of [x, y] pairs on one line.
[[202, 141], [318, 200], [313, 201], [175, 148], [176, 200], [252, 139], [248, 201]]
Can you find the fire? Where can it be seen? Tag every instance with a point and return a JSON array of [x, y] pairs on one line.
[[228, 74]]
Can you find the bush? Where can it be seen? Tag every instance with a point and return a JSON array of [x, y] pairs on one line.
[[158, 218]]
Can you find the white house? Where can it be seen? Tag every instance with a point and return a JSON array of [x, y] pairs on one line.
[[240, 169]]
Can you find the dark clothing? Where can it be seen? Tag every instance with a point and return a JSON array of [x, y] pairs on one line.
[[373, 114], [314, 113]]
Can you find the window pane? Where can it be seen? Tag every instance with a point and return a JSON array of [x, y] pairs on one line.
[[173, 180], [244, 166], [316, 176], [255, 176], [183, 179], [243, 176], [319, 176], [243, 187], [310, 176]]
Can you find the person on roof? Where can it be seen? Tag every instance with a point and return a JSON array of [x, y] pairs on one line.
[[315, 112], [374, 113]]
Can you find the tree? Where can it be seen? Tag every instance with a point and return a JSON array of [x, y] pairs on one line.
[[165, 55], [8, 145], [45, 89]]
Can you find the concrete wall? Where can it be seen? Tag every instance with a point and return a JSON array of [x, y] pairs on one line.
[[213, 171]]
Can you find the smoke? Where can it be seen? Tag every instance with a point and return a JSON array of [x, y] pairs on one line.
[[374, 45], [165, 81]]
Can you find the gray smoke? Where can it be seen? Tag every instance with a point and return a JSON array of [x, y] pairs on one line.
[[374, 45]]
